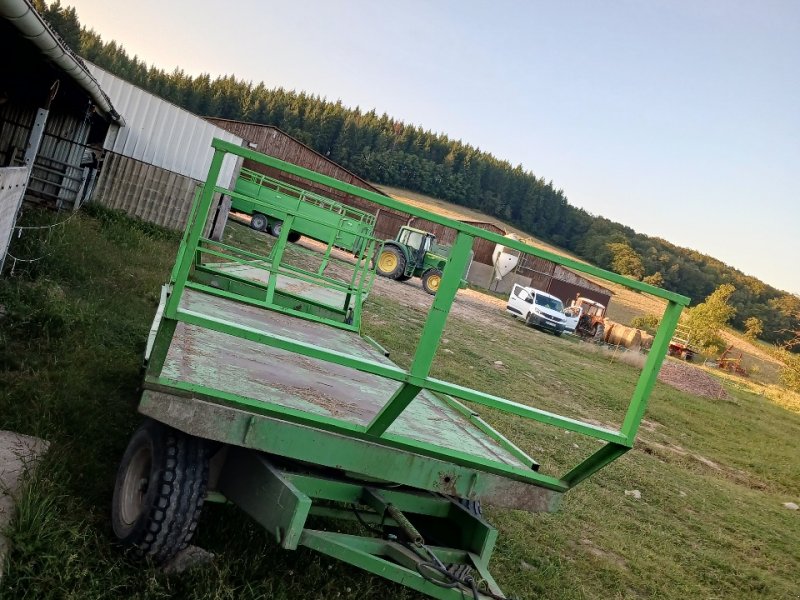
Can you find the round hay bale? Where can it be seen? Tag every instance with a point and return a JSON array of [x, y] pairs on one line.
[[627, 337]]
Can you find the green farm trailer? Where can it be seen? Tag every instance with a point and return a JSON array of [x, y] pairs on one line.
[[260, 391], [269, 201]]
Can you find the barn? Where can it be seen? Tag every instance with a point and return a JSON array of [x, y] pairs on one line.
[[53, 113]]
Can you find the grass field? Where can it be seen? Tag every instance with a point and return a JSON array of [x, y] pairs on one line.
[[713, 474]]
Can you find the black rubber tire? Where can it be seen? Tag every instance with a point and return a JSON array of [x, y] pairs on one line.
[[258, 222], [599, 334], [430, 276], [399, 268], [529, 320], [294, 237], [275, 228], [558, 333], [159, 491], [403, 278]]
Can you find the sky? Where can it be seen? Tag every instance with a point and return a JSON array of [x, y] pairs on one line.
[[680, 119]]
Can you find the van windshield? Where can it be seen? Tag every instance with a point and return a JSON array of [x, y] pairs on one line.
[[551, 303]]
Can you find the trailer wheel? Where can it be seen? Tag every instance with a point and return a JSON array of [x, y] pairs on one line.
[[431, 280], [275, 228], [159, 491], [258, 222], [294, 237], [391, 263]]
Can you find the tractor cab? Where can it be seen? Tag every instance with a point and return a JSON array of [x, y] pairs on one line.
[[418, 242]]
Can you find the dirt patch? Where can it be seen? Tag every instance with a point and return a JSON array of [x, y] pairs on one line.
[[692, 380], [669, 452]]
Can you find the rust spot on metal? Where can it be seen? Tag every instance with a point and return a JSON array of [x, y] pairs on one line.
[[447, 482]]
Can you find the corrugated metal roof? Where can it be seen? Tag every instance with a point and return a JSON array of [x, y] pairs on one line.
[[22, 15], [160, 133]]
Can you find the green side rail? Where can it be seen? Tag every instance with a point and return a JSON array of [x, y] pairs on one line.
[[417, 377]]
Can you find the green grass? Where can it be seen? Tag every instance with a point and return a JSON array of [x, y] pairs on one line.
[[713, 474]]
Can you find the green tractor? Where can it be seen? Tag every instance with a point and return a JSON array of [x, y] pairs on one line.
[[413, 253]]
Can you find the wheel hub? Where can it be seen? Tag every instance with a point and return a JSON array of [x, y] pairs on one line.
[[387, 262], [134, 486]]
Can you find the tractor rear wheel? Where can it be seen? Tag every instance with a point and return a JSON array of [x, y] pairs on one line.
[[431, 280], [391, 263], [159, 490]]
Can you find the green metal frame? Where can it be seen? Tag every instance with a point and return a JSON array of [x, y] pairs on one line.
[[417, 377], [253, 483]]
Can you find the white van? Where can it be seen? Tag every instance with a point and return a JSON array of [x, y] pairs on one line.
[[538, 308]]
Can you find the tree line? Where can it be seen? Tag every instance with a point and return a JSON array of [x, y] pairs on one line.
[[387, 151]]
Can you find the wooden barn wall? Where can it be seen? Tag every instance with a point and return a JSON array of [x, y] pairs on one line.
[[560, 281], [566, 291], [482, 249], [538, 269], [272, 141]]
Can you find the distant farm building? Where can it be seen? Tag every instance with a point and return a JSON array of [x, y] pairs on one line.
[[152, 166]]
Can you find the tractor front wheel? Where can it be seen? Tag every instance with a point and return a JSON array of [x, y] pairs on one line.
[[391, 263], [431, 280], [159, 490]]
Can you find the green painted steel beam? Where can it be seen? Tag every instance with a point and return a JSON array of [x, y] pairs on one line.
[[649, 374], [337, 490], [409, 462], [392, 409], [604, 456], [367, 553], [284, 343], [397, 374], [261, 490], [388, 202], [195, 231], [523, 410], [300, 417], [476, 420]]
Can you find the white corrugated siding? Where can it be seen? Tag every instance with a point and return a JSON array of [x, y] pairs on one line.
[[12, 184], [160, 133]]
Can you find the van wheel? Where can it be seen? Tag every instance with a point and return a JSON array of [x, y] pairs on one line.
[[159, 490], [258, 222]]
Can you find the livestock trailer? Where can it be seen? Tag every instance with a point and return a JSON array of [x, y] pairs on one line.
[[260, 390], [269, 201]]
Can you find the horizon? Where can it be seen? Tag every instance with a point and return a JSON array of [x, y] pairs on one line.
[[724, 200]]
